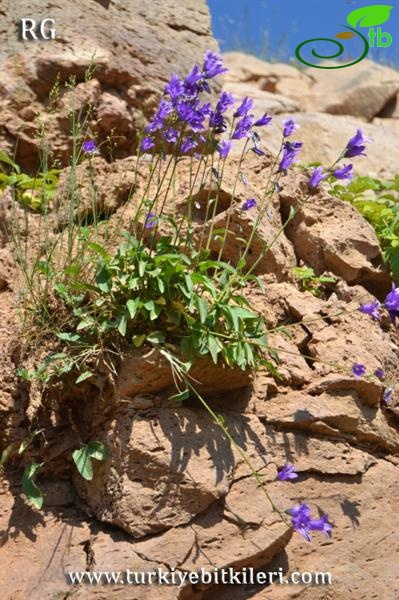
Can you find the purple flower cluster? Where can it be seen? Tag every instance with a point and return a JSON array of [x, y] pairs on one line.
[[303, 523], [181, 111], [355, 147], [182, 117], [391, 303]]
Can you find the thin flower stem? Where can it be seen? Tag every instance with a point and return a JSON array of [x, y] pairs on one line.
[[243, 454]]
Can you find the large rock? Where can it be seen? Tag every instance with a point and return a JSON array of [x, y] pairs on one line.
[[131, 50], [364, 90], [265, 101], [316, 231], [325, 136], [277, 78]]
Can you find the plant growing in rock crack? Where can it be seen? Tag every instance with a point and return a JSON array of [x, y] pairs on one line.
[[165, 281], [378, 202]]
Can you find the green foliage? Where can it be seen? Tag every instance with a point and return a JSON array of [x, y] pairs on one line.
[[83, 458], [55, 364], [34, 192], [310, 282], [162, 297], [29, 487], [378, 202]]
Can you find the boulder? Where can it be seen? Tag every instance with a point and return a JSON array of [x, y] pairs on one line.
[[325, 136], [316, 231], [364, 90], [277, 78]]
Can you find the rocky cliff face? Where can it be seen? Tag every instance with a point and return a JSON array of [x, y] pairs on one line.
[[174, 493], [129, 47]]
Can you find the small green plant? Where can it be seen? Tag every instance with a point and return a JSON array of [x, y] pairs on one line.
[[163, 297], [378, 202], [310, 282], [34, 192], [83, 457]]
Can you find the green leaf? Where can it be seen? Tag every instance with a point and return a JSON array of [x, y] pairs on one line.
[[70, 337], [122, 324], [132, 305], [84, 376], [98, 250], [142, 267], [29, 487], [156, 337], [369, 16], [202, 309], [138, 340], [97, 450], [8, 161], [28, 440], [104, 280], [213, 348], [181, 396], [82, 458]]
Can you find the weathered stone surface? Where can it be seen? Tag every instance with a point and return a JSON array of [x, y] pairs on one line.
[[264, 101], [324, 136], [134, 48], [365, 90], [352, 252], [277, 78], [169, 467], [152, 373], [39, 547], [173, 481], [339, 415]]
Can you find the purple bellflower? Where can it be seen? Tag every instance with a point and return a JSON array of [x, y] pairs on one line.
[[303, 523], [224, 148], [358, 370], [89, 147], [244, 107], [150, 221], [146, 144], [213, 65], [243, 127], [287, 472], [249, 204], [265, 120], [344, 173], [290, 152], [289, 127], [372, 309], [317, 177], [356, 145], [392, 303]]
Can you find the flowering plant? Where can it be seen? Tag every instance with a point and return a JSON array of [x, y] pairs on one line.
[[168, 283]]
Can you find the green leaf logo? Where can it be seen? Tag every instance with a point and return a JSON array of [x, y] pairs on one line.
[[369, 16]]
